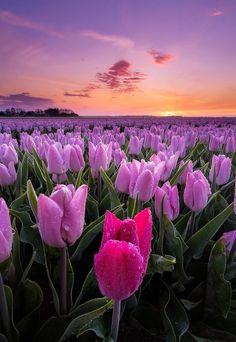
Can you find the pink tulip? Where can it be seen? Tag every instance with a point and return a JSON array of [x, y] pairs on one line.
[[221, 165], [55, 160], [6, 234], [99, 156], [61, 216], [171, 200], [197, 191], [122, 260], [230, 145], [73, 157], [7, 174], [8, 154], [123, 178], [135, 145], [189, 168]]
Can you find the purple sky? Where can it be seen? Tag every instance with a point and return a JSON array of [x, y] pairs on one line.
[[119, 56]]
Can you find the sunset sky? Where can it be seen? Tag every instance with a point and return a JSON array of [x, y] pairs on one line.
[[141, 57]]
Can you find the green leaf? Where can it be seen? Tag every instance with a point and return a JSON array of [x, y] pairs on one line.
[[113, 193], [160, 264], [200, 239], [176, 246], [32, 198], [18, 202], [175, 178], [78, 181], [9, 299], [25, 164], [18, 184], [28, 300], [218, 290], [89, 288], [86, 314]]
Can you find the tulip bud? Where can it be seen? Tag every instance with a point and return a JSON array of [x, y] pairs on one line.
[[122, 260], [135, 145], [6, 235], [55, 160], [221, 166], [7, 174], [171, 200], [197, 191], [61, 216], [123, 178]]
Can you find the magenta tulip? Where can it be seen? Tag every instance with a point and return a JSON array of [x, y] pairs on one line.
[[122, 260], [6, 232], [197, 191], [61, 216], [221, 166], [171, 201]]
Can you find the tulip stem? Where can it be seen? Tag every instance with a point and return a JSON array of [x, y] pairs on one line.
[[63, 279], [115, 320], [4, 309], [99, 187]]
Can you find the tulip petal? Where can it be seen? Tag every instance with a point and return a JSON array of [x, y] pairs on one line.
[[6, 235], [50, 217], [73, 219], [112, 226], [119, 269], [144, 230]]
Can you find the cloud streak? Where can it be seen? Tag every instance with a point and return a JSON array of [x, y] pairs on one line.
[[76, 95], [24, 100], [121, 78], [15, 20], [160, 57], [84, 92], [113, 39]]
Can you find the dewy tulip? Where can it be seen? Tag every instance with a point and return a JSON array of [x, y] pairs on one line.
[[122, 260], [6, 235], [61, 216], [197, 191], [123, 178], [221, 165], [171, 200]]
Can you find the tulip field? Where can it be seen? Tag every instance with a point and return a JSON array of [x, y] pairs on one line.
[[117, 229]]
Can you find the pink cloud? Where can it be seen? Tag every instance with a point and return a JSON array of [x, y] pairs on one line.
[[113, 39], [216, 13], [160, 57], [121, 78], [15, 20]]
